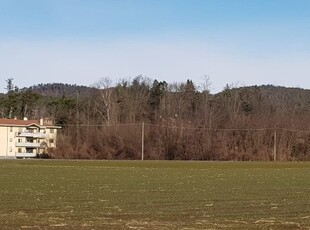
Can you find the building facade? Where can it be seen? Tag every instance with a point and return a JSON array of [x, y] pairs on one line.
[[26, 138]]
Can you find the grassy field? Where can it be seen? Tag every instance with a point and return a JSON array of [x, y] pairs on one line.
[[52, 194]]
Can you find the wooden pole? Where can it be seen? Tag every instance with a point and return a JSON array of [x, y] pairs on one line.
[[77, 122], [142, 142], [275, 145]]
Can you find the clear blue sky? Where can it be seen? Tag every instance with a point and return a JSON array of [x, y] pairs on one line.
[[79, 41]]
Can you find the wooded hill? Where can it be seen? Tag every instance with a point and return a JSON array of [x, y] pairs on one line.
[[182, 121]]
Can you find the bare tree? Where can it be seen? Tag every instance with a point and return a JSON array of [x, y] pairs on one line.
[[104, 106]]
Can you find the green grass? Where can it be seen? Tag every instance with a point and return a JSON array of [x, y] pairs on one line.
[[52, 194]]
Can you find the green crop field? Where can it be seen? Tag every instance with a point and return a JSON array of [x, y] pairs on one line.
[[55, 194]]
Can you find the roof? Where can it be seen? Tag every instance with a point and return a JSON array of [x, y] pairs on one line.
[[16, 122]]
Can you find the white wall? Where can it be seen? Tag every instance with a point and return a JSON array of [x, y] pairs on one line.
[[3, 141]]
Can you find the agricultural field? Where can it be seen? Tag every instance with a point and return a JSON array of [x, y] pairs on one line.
[[57, 194]]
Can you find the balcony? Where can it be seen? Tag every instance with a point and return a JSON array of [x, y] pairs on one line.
[[25, 155], [29, 134], [28, 144]]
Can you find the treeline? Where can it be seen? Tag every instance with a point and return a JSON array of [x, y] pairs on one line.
[[182, 120]]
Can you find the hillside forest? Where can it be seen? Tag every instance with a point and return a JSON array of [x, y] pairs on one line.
[[177, 121]]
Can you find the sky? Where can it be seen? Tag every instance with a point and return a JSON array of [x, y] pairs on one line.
[[235, 42]]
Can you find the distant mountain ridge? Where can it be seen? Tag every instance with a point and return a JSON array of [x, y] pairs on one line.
[[59, 89], [249, 99]]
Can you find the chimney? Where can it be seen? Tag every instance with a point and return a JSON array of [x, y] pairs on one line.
[[41, 121]]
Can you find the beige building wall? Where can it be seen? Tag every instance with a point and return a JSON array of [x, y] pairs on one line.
[[51, 137], [3, 141], [7, 142], [12, 142]]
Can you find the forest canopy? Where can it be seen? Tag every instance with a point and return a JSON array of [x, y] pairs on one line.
[[195, 115]]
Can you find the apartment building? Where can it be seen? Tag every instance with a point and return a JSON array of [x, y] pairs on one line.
[[26, 138]]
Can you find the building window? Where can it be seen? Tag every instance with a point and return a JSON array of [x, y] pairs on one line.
[[19, 150], [19, 140], [29, 140], [51, 141], [11, 129], [29, 130], [11, 149], [11, 139], [51, 130]]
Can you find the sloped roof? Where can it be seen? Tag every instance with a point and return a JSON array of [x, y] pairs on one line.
[[16, 122]]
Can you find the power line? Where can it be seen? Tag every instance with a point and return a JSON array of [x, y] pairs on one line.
[[184, 127]]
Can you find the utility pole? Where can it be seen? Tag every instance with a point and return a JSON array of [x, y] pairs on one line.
[[77, 121], [142, 142], [275, 145]]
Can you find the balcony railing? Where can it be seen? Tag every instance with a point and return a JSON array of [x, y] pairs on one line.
[[29, 134], [25, 155], [28, 144]]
